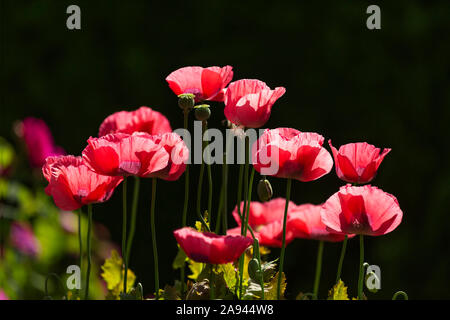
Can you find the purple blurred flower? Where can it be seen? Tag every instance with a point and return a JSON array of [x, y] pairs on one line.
[[38, 140], [3, 295], [23, 239]]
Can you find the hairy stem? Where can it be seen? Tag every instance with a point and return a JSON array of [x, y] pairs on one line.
[[318, 269], [283, 246], [155, 249], [88, 272], [361, 266], [341, 259], [124, 232], [245, 223], [199, 188], [186, 202]]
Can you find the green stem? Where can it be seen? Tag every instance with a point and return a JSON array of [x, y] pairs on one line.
[[246, 167], [225, 201], [256, 253], [239, 190], [249, 199], [155, 249], [129, 242], [80, 242], [133, 216], [199, 189], [222, 211], [186, 200], [186, 179], [243, 214], [212, 294], [210, 180], [220, 207], [400, 293], [341, 259], [88, 272], [124, 233], [318, 269], [210, 189], [239, 199], [283, 246], [361, 267], [245, 224]]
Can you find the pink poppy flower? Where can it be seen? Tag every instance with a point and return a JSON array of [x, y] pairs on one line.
[[121, 154], [249, 102], [304, 222], [289, 153], [209, 247], [178, 156], [204, 83], [23, 239], [143, 119], [361, 210], [38, 141], [357, 162], [72, 184], [266, 220]]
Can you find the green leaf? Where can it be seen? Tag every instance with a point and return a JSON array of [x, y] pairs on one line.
[[229, 274], [113, 275], [199, 225], [338, 292], [269, 269], [273, 287], [270, 289], [180, 259], [224, 281], [196, 269]]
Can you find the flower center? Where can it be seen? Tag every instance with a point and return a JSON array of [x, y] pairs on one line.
[[356, 224]]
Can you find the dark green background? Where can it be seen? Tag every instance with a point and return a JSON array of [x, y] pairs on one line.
[[389, 87]]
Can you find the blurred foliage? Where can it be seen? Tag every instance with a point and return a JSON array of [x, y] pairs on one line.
[[54, 234], [389, 87], [6, 156]]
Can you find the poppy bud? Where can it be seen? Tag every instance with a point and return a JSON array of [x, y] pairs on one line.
[[186, 101], [202, 112], [265, 191], [227, 124], [254, 270]]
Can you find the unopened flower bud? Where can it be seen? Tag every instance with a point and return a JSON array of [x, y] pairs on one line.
[[265, 191], [254, 270], [202, 112], [186, 101], [227, 124]]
